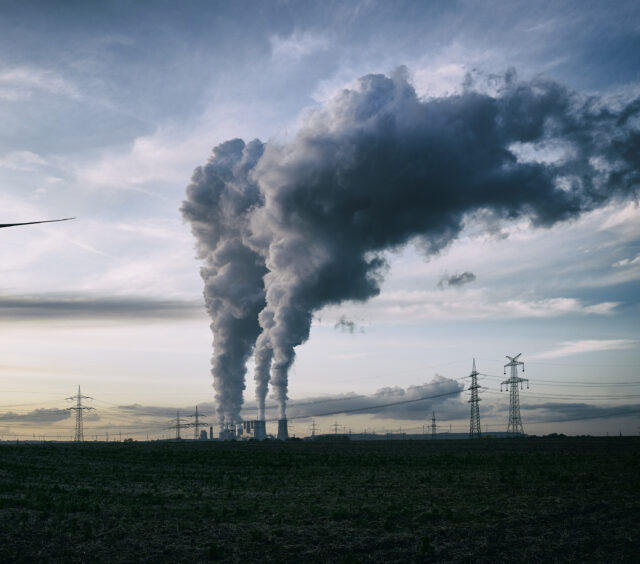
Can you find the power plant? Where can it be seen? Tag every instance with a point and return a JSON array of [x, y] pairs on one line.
[[255, 429], [252, 429]]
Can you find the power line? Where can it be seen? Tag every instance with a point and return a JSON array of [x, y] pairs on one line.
[[368, 408], [576, 396], [572, 382]]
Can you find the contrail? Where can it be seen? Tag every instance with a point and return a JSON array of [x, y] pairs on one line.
[[34, 222]]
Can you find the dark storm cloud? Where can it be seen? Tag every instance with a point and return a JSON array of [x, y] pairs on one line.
[[138, 410], [83, 307], [559, 412], [378, 168], [456, 280], [37, 416]]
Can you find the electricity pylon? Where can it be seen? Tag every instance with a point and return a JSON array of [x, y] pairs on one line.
[[474, 420], [179, 425], [433, 426], [515, 422], [197, 424], [79, 408]]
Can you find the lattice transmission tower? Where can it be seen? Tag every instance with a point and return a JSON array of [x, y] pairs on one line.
[[79, 408], [433, 426], [178, 424], [515, 421], [198, 423], [474, 420]]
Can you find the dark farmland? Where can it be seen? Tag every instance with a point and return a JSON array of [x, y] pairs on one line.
[[489, 500]]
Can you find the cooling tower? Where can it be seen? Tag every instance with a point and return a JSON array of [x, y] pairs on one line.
[[283, 432], [260, 430]]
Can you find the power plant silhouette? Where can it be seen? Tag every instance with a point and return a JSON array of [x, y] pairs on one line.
[[256, 429]]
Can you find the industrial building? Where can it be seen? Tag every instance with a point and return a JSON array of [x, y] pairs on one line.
[[254, 429]]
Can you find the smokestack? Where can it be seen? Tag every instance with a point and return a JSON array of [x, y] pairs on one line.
[[283, 432], [211, 433]]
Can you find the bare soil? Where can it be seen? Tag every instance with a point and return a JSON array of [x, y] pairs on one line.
[[487, 500]]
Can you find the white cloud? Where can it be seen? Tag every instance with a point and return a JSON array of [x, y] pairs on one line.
[[568, 348], [625, 218], [164, 156], [170, 153], [627, 262], [417, 305], [22, 161], [297, 45], [439, 80], [547, 152], [19, 83]]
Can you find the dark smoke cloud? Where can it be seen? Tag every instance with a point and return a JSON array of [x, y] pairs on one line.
[[456, 280], [347, 326], [378, 168]]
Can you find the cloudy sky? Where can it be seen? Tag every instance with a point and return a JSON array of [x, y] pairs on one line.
[[107, 110]]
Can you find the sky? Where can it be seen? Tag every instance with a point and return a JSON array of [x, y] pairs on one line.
[[108, 108]]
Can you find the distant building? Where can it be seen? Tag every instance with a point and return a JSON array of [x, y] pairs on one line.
[[254, 429]]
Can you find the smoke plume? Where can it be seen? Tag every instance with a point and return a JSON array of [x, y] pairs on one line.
[[219, 201], [456, 280], [297, 226], [347, 326]]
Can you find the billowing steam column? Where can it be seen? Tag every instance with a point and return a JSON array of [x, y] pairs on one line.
[[287, 228], [283, 431]]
